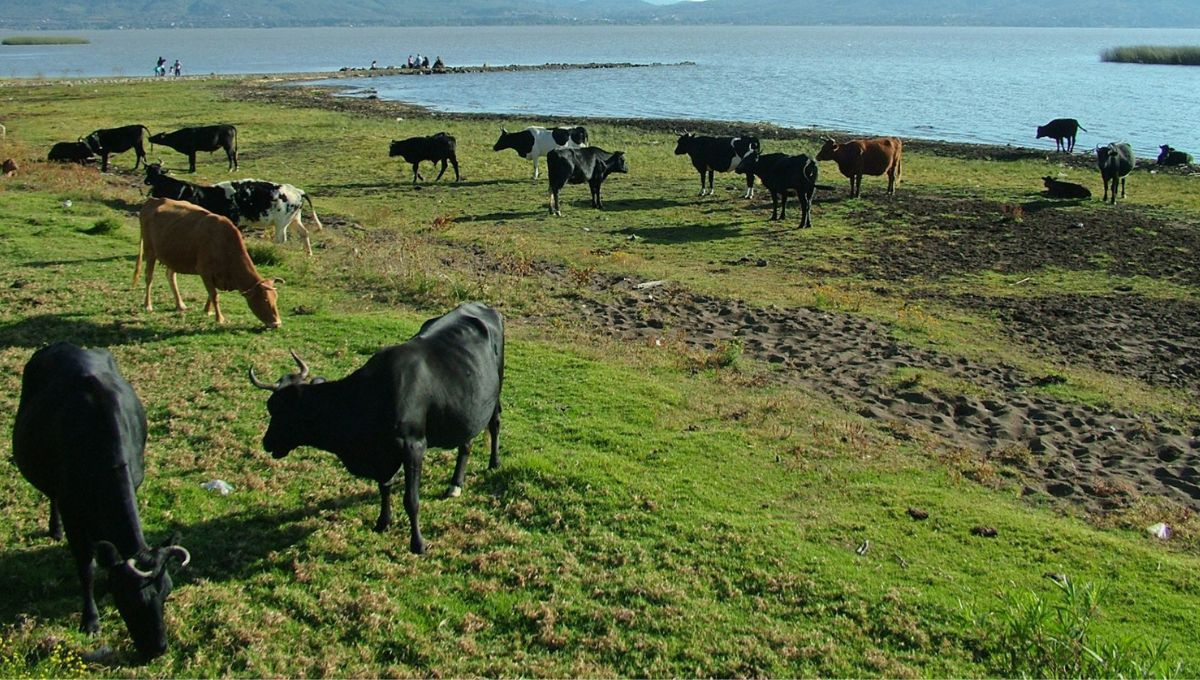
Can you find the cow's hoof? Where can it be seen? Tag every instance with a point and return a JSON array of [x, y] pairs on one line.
[[417, 547], [454, 491]]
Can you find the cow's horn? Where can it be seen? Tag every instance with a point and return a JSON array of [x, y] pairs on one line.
[[258, 383], [278, 280], [181, 552], [133, 568], [300, 362]]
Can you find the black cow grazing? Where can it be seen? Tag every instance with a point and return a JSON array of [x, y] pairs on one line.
[[719, 154], [118, 140], [71, 152], [576, 166], [1062, 130], [435, 148], [1169, 156], [534, 142], [189, 140], [781, 173], [1058, 189], [439, 389], [1115, 161], [79, 437], [212, 199]]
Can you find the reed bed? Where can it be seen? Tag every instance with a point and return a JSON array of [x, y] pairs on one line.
[[1152, 54], [44, 40]]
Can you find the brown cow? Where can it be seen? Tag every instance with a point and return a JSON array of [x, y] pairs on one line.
[[191, 240], [865, 157]]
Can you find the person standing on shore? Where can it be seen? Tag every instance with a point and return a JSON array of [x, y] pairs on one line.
[[177, 68], [160, 69]]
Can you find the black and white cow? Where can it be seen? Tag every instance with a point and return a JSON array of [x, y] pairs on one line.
[[781, 173], [534, 142], [268, 203], [79, 437], [212, 199], [719, 154], [576, 166], [434, 148], [438, 390], [118, 140], [1115, 161], [71, 152], [189, 140]]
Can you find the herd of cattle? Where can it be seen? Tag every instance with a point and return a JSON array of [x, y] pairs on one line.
[[80, 430]]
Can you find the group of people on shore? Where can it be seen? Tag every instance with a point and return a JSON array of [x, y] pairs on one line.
[[421, 62], [161, 68]]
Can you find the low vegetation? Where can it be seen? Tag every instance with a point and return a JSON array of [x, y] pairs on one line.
[[673, 500], [1152, 54], [44, 40]]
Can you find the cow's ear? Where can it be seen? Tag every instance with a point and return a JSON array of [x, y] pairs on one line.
[[503, 131], [107, 554]]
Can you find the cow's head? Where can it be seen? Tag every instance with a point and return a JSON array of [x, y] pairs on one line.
[[262, 297], [398, 148], [1103, 152], [140, 585], [1041, 131], [828, 150], [685, 143], [160, 138], [288, 428], [1164, 152], [747, 164], [616, 162], [1048, 181], [154, 171], [93, 143], [503, 142]]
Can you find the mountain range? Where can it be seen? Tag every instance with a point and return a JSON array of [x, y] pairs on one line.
[[98, 14]]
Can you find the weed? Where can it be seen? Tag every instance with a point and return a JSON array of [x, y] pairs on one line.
[[724, 355], [263, 255]]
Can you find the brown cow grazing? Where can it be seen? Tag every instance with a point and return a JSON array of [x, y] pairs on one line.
[[865, 157], [190, 240]]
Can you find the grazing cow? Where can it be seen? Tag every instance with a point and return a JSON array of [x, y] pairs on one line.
[[717, 154], [435, 148], [71, 152], [1169, 156], [860, 157], [781, 173], [438, 390], [191, 240], [1063, 130], [118, 140], [262, 203], [1058, 189], [1115, 161], [79, 438], [189, 140], [212, 199], [534, 142], [576, 166]]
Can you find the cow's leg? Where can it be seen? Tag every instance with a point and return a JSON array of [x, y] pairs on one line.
[[104, 162], [81, 550], [774, 206], [494, 435], [385, 507], [416, 173], [301, 230], [413, 454], [441, 172], [460, 471], [192, 162], [783, 205], [710, 181], [749, 185], [891, 180], [150, 261], [212, 299], [56, 530], [596, 203], [179, 306], [1122, 188], [454, 162], [554, 202], [535, 167]]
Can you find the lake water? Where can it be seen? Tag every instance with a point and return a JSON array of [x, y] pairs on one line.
[[990, 85]]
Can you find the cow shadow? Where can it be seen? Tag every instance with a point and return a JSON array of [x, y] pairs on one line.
[[506, 215], [685, 233], [1040, 204], [121, 205], [620, 205], [42, 329], [42, 264], [494, 182]]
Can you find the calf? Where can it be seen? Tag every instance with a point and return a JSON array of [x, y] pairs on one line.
[[71, 152], [267, 203], [1115, 161], [190, 240], [189, 140], [435, 148], [865, 157], [534, 142], [1057, 189], [781, 173], [79, 437], [1063, 131], [439, 389], [576, 166], [118, 140], [1169, 156], [717, 154]]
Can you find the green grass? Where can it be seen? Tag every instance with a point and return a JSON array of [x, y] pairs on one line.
[[657, 513], [1153, 54], [44, 40]]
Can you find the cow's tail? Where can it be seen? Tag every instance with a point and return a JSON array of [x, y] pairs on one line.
[[148, 136], [137, 267], [1082, 128], [313, 210]]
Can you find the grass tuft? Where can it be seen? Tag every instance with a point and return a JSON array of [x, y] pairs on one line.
[[104, 225]]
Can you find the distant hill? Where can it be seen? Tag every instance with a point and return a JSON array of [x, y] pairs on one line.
[[82, 14]]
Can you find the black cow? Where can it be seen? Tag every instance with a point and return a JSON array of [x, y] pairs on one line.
[[1061, 129], [576, 166], [719, 154], [534, 142], [79, 438], [212, 199], [435, 148], [781, 173], [439, 389], [189, 140], [1115, 161], [1059, 189], [118, 140], [1169, 156], [71, 152]]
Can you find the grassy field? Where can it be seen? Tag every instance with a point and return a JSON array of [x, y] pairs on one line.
[[663, 508]]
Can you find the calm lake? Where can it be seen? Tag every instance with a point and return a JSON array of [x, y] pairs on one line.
[[989, 85]]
